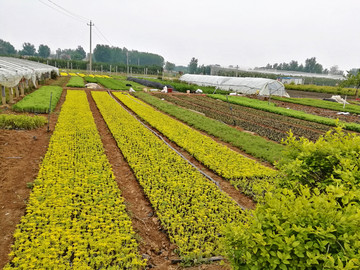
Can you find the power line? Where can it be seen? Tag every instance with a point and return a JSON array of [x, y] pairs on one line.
[[70, 12], [103, 35], [62, 12]]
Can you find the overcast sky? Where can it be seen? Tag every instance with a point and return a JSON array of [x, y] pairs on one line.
[[227, 32]]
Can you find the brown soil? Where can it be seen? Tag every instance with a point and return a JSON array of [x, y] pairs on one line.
[[21, 152]]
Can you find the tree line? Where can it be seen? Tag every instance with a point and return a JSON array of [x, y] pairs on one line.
[[102, 54], [310, 66], [111, 55]]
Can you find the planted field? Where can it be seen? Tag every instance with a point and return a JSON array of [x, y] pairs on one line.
[[269, 125], [75, 218], [11, 121], [39, 101], [251, 144], [76, 82], [203, 148], [264, 106], [191, 208], [114, 84], [322, 104], [322, 89]]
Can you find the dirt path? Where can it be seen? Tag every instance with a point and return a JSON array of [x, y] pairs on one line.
[[21, 153]]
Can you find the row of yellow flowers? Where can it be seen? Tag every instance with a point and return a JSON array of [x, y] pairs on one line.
[[64, 74], [76, 217], [190, 207], [216, 156]]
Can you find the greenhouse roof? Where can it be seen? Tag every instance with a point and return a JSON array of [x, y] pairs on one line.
[[13, 70], [261, 86]]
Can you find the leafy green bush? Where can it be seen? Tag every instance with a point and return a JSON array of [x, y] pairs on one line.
[[333, 159], [307, 231], [312, 223], [76, 82], [11, 121]]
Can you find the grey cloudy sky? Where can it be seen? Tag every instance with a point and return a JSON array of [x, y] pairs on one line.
[[227, 32]]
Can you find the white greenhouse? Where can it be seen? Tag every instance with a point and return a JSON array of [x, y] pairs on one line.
[[261, 86], [15, 70]]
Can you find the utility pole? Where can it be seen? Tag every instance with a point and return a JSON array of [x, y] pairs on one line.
[[91, 25]]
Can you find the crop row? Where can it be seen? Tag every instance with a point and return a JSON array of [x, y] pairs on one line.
[[272, 126], [190, 207], [39, 100], [263, 105], [75, 217], [11, 121], [114, 84], [252, 144], [219, 158], [322, 104], [76, 82], [322, 89]]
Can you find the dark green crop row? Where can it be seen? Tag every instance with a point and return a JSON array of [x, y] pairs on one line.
[[263, 105], [251, 144], [76, 82], [115, 84], [39, 100]]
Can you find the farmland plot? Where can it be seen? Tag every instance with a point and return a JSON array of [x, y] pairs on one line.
[[191, 208], [75, 217], [269, 125]]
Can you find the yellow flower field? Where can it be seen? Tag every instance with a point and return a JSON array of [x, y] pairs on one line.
[[75, 217]]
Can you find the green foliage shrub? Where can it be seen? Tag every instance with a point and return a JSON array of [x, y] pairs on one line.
[[332, 160], [311, 230], [310, 219]]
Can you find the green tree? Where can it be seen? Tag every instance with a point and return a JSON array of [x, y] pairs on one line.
[[6, 48], [193, 65], [169, 66], [353, 80], [78, 54], [312, 66], [44, 51], [28, 49]]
